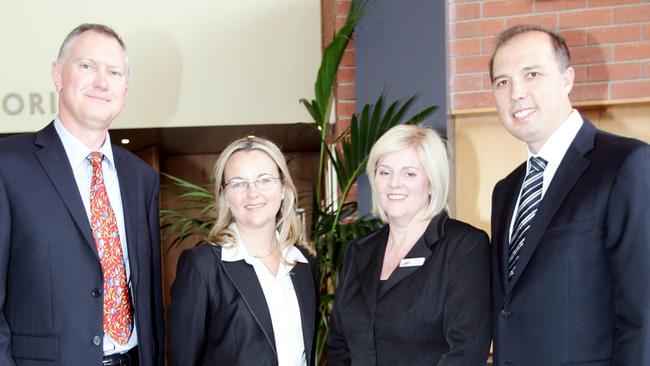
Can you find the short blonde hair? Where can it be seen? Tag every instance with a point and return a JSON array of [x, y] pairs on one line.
[[286, 222], [432, 154]]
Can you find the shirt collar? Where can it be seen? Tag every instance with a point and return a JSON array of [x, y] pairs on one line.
[[554, 149], [239, 251], [76, 151]]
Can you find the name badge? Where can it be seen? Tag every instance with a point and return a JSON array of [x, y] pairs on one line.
[[411, 262]]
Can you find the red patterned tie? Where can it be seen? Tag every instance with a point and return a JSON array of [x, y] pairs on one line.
[[118, 321]]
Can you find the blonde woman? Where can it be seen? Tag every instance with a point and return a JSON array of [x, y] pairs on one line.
[[248, 296], [417, 291]]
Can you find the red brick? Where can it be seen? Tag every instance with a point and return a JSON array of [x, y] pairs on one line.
[[348, 58], [345, 108], [613, 72], [339, 22], [342, 7], [589, 91], [591, 54], [464, 11], [632, 51], [546, 20], [646, 32], [646, 70], [341, 125], [507, 7], [467, 82], [487, 82], [576, 37], [580, 73], [632, 14], [477, 28], [631, 89], [553, 5], [488, 44], [626, 33], [346, 92], [463, 47], [595, 3], [473, 100], [585, 18], [472, 64], [345, 75]]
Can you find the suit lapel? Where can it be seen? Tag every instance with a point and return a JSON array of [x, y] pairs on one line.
[[505, 211], [128, 182], [55, 162], [303, 284], [243, 277], [368, 267], [571, 168]]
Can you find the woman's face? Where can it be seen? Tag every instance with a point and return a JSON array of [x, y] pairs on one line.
[[253, 205], [402, 185]]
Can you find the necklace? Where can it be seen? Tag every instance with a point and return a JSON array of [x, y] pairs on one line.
[[269, 253]]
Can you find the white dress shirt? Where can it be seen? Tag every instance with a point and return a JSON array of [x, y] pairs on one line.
[[280, 298], [553, 152], [77, 154]]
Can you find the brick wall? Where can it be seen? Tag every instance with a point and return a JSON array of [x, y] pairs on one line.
[[609, 42]]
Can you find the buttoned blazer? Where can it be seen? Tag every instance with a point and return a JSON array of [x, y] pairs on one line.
[[218, 313], [50, 274], [434, 314], [580, 294]]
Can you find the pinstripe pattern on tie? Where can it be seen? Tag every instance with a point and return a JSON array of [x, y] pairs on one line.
[[531, 196]]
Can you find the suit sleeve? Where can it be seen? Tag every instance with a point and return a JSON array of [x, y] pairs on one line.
[[628, 245], [187, 317], [156, 265], [338, 352], [467, 317], [5, 248]]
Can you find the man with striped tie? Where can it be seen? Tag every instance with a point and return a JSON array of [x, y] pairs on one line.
[[570, 226]]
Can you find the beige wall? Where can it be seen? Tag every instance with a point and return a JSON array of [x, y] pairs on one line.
[[193, 62], [484, 152]]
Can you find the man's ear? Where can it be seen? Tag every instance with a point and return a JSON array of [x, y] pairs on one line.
[[568, 77], [57, 76]]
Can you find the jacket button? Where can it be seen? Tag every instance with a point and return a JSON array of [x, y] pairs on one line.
[[97, 341], [96, 292], [505, 312]]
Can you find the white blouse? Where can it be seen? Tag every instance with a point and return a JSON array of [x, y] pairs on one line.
[[280, 298]]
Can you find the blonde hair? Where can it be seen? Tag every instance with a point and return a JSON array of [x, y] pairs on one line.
[[432, 154], [287, 222]]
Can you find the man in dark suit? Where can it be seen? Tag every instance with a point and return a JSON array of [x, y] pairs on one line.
[[80, 280], [570, 227]]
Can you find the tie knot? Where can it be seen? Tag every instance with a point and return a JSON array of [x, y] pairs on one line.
[[537, 164], [95, 158]]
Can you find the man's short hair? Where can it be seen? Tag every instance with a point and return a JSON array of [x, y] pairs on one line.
[[562, 53], [72, 36]]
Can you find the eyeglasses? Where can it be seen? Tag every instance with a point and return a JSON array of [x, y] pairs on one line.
[[261, 184]]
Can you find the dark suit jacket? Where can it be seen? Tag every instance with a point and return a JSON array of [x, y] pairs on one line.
[[218, 314], [581, 292], [49, 313], [434, 314]]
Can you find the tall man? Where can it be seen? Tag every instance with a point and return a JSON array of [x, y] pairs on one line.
[[571, 226], [80, 280]]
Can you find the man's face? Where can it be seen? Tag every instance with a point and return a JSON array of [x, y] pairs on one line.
[[92, 82], [530, 89]]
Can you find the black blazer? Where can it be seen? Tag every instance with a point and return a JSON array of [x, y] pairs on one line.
[[434, 314], [581, 294], [50, 310], [218, 314]]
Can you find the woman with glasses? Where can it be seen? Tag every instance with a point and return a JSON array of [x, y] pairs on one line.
[[248, 296]]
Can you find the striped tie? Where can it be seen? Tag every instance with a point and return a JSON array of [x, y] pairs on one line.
[[531, 196]]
